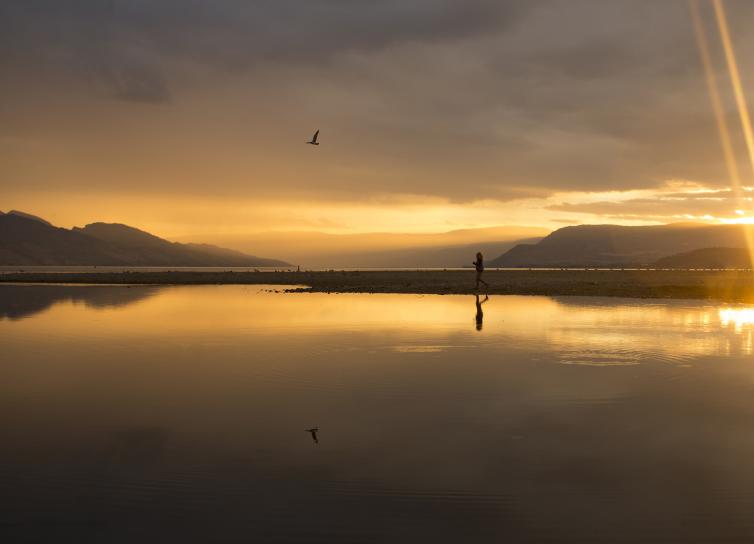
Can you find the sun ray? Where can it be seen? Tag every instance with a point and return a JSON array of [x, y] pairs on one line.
[[735, 78], [714, 93], [717, 106]]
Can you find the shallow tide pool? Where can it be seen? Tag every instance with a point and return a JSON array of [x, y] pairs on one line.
[[161, 414]]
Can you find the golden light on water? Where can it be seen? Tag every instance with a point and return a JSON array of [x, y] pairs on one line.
[[577, 333], [737, 317]]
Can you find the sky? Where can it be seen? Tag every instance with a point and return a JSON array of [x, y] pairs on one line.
[[189, 118]]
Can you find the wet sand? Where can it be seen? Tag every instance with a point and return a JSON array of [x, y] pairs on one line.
[[733, 286]]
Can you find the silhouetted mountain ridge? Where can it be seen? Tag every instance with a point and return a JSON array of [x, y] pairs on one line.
[[30, 216], [709, 257], [608, 245], [29, 240]]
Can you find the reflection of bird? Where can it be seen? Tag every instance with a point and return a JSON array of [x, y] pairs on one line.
[[313, 431], [314, 141]]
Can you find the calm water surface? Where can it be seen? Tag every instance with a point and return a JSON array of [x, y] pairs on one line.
[[179, 414]]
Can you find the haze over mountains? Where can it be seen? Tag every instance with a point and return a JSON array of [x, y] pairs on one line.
[[29, 240], [615, 245], [450, 249]]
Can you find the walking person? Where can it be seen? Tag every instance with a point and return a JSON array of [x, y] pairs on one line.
[[479, 265]]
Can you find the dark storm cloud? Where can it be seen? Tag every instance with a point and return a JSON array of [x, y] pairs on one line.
[[457, 99], [237, 33], [128, 45]]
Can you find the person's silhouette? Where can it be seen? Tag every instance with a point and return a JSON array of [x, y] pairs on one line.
[[479, 312], [479, 265]]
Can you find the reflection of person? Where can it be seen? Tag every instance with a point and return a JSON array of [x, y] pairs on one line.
[[479, 313], [479, 265]]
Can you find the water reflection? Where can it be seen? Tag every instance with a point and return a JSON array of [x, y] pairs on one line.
[[742, 322], [738, 317], [20, 301], [479, 313], [181, 417], [582, 330]]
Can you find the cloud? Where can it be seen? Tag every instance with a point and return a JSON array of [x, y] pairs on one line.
[[238, 33], [134, 83], [450, 99], [664, 206]]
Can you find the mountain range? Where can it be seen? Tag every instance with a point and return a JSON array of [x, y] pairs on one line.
[[29, 240], [616, 245], [711, 257]]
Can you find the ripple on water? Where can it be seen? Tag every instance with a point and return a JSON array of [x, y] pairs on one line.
[[620, 357], [420, 349], [586, 357]]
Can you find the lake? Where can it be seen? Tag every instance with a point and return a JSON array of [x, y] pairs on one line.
[[182, 414]]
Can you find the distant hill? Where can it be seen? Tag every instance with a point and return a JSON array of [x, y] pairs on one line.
[[29, 240], [615, 245], [29, 216], [452, 256], [449, 249], [710, 257]]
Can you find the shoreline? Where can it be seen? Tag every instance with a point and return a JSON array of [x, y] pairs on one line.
[[727, 286]]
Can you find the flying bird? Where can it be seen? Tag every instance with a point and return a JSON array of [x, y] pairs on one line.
[[314, 141], [313, 432]]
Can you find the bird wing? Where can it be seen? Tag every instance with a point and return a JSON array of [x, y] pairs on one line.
[[314, 138]]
